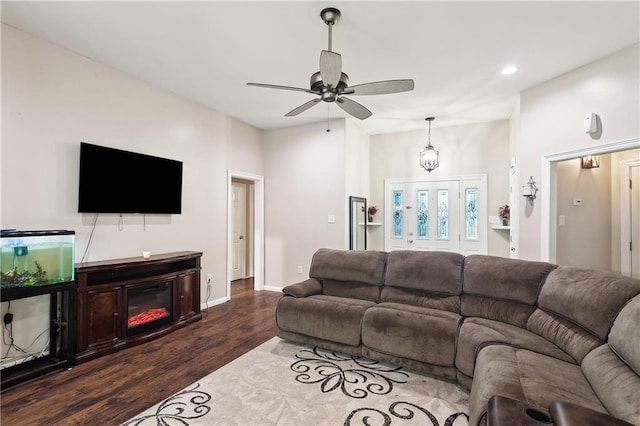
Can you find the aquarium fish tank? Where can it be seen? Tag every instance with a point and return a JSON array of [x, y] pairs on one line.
[[36, 258]]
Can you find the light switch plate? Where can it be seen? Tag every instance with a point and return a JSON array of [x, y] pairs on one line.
[[331, 218]]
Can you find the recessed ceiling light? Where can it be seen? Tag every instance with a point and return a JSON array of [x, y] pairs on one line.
[[509, 69]]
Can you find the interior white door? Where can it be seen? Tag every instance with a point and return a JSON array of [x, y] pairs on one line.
[[634, 243], [239, 223]]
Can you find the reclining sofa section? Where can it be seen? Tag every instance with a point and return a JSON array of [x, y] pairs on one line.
[[530, 331]]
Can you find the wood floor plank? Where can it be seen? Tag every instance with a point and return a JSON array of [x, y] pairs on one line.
[[112, 389]]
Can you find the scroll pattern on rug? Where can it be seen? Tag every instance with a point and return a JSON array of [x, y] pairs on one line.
[[356, 377], [400, 410], [188, 404]]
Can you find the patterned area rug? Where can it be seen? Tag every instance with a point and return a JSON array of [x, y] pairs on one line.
[[281, 383]]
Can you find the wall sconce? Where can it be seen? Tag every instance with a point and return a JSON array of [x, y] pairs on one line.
[[590, 162], [529, 190]]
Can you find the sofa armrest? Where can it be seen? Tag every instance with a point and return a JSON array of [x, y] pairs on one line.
[[303, 289]]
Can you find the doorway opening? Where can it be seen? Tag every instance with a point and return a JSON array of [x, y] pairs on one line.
[[245, 229], [556, 219]]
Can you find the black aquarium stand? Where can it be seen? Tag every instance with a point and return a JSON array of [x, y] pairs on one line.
[[62, 331]]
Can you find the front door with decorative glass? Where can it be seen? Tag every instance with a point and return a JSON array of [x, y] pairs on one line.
[[437, 214]]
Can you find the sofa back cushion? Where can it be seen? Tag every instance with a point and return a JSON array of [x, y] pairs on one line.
[[353, 274], [624, 338], [424, 278], [502, 289], [615, 384], [589, 298]]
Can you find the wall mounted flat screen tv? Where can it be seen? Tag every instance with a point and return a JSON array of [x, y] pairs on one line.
[[117, 181]]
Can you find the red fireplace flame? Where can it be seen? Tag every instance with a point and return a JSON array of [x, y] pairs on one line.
[[147, 316]]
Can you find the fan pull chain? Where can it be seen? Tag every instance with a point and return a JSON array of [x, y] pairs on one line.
[[328, 129]]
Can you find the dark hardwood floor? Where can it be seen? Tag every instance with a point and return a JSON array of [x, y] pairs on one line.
[[114, 388]]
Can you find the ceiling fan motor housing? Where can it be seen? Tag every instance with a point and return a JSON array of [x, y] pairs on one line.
[[328, 95]]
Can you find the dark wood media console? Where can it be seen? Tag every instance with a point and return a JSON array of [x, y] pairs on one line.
[[126, 302]]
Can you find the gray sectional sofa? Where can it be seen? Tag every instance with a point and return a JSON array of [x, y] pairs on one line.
[[530, 331]]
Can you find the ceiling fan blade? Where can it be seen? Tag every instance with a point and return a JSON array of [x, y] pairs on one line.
[[381, 87], [302, 108], [330, 68], [353, 108], [274, 86]]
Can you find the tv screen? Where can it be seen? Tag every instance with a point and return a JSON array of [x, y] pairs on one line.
[[117, 181]]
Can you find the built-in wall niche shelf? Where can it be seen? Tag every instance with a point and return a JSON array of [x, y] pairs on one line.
[[501, 227], [371, 224]]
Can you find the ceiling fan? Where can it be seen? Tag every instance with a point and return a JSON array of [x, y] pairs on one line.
[[331, 84]]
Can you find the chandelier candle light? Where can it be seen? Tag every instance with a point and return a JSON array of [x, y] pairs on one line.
[[429, 157]]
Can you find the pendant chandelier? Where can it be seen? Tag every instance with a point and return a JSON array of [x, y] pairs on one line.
[[429, 157]]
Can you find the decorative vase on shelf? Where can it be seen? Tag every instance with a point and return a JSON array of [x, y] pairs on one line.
[[504, 212], [371, 211]]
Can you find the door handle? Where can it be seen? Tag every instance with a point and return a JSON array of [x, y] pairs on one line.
[[241, 237], [410, 241]]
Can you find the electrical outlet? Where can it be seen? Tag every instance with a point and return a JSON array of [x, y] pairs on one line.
[[208, 278], [8, 318], [299, 269]]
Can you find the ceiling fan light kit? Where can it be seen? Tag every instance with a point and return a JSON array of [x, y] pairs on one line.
[[330, 84]]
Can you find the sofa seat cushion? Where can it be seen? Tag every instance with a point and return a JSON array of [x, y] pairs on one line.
[[412, 332], [615, 383], [527, 376], [476, 333], [331, 318]]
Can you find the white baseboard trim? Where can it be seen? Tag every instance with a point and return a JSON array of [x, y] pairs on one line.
[[272, 288], [207, 305]]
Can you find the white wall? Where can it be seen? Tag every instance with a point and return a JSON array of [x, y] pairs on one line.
[[53, 99], [551, 122], [245, 145], [464, 150], [304, 183], [357, 145], [585, 238]]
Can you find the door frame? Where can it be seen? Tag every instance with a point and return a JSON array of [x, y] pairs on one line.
[[460, 179], [625, 215], [549, 180], [258, 228]]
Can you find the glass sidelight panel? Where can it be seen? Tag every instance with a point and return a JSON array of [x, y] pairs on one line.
[[398, 214], [423, 214], [443, 214], [471, 213]]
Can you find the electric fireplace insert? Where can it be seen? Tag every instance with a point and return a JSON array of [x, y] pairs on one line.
[[149, 306]]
